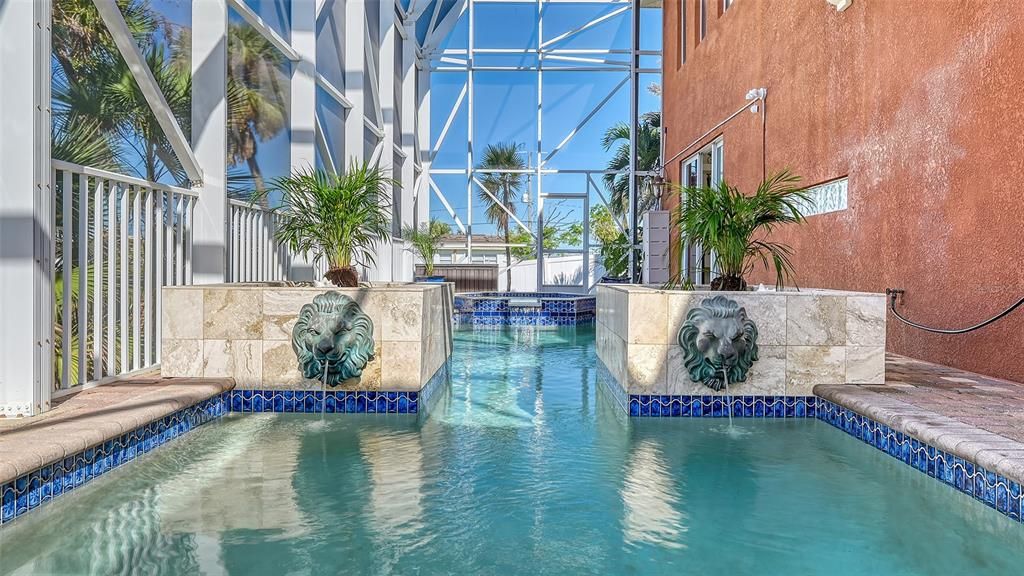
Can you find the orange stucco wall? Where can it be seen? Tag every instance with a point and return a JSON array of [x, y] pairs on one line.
[[920, 103]]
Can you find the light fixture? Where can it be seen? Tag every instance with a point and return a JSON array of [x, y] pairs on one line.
[[840, 4], [657, 184], [756, 94]]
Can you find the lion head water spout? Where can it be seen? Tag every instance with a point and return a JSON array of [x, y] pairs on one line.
[[719, 342], [332, 339]]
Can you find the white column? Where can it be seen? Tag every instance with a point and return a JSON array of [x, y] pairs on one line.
[[303, 101], [355, 24], [388, 255], [303, 106], [209, 139], [26, 209], [422, 136], [407, 140]]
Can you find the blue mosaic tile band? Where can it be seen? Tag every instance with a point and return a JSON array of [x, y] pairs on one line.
[[313, 401], [55, 479], [722, 406], [429, 394], [494, 309], [338, 401], [993, 489]]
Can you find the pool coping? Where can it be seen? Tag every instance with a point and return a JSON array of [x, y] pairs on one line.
[[989, 450], [44, 458], [976, 462], [47, 456], [28, 444]]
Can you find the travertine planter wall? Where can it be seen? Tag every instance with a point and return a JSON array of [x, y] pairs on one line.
[[805, 338], [244, 331]]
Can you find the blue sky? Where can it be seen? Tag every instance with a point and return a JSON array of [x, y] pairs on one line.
[[505, 102]]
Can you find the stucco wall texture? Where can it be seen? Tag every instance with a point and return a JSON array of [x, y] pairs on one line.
[[919, 104]]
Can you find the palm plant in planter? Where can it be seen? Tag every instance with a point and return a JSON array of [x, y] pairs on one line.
[[337, 217], [735, 226], [425, 240]]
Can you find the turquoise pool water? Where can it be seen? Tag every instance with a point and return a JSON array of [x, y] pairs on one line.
[[524, 467]]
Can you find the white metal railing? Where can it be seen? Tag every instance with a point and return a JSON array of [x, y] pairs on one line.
[[254, 254], [118, 240]]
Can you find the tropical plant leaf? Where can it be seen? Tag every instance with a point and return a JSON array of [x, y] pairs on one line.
[[337, 217], [735, 226]]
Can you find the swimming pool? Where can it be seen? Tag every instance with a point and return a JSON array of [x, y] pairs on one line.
[[525, 466]]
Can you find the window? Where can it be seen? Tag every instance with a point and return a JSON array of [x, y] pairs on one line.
[[682, 34], [705, 168], [703, 18]]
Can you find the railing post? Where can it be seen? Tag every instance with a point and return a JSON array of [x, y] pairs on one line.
[[209, 141], [26, 210]]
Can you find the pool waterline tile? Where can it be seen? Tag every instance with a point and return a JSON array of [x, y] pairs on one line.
[[341, 401], [31, 490]]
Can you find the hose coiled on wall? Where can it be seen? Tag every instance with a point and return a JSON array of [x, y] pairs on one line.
[[893, 293]]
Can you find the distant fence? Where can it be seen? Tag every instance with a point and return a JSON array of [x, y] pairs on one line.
[[467, 277]]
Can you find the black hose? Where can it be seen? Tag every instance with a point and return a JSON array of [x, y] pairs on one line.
[[893, 293]]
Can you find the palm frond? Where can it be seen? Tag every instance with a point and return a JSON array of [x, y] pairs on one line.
[[734, 226], [337, 217]]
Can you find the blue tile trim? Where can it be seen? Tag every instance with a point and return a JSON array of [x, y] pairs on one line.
[[28, 492], [493, 309], [429, 393], [338, 401], [679, 406], [313, 401], [996, 491]]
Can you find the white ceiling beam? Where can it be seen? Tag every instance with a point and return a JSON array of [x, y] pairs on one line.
[[264, 29], [325, 149], [333, 91], [504, 208], [586, 119], [586, 26], [447, 206], [436, 35], [118, 28], [448, 122]]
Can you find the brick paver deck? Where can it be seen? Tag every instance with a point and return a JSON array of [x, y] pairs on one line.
[[975, 417], [987, 403]]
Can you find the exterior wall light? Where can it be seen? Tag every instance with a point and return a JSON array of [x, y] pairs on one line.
[[840, 4], [755, 94]]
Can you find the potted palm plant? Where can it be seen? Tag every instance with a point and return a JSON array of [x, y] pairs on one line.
[[424, 242], [735, 226], [337, 217]]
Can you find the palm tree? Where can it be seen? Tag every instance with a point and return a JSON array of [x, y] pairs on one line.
[[648, 145], [725, 221], [502, 189], [340, 217], [136, 121], [425, 240], [257, 100]]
